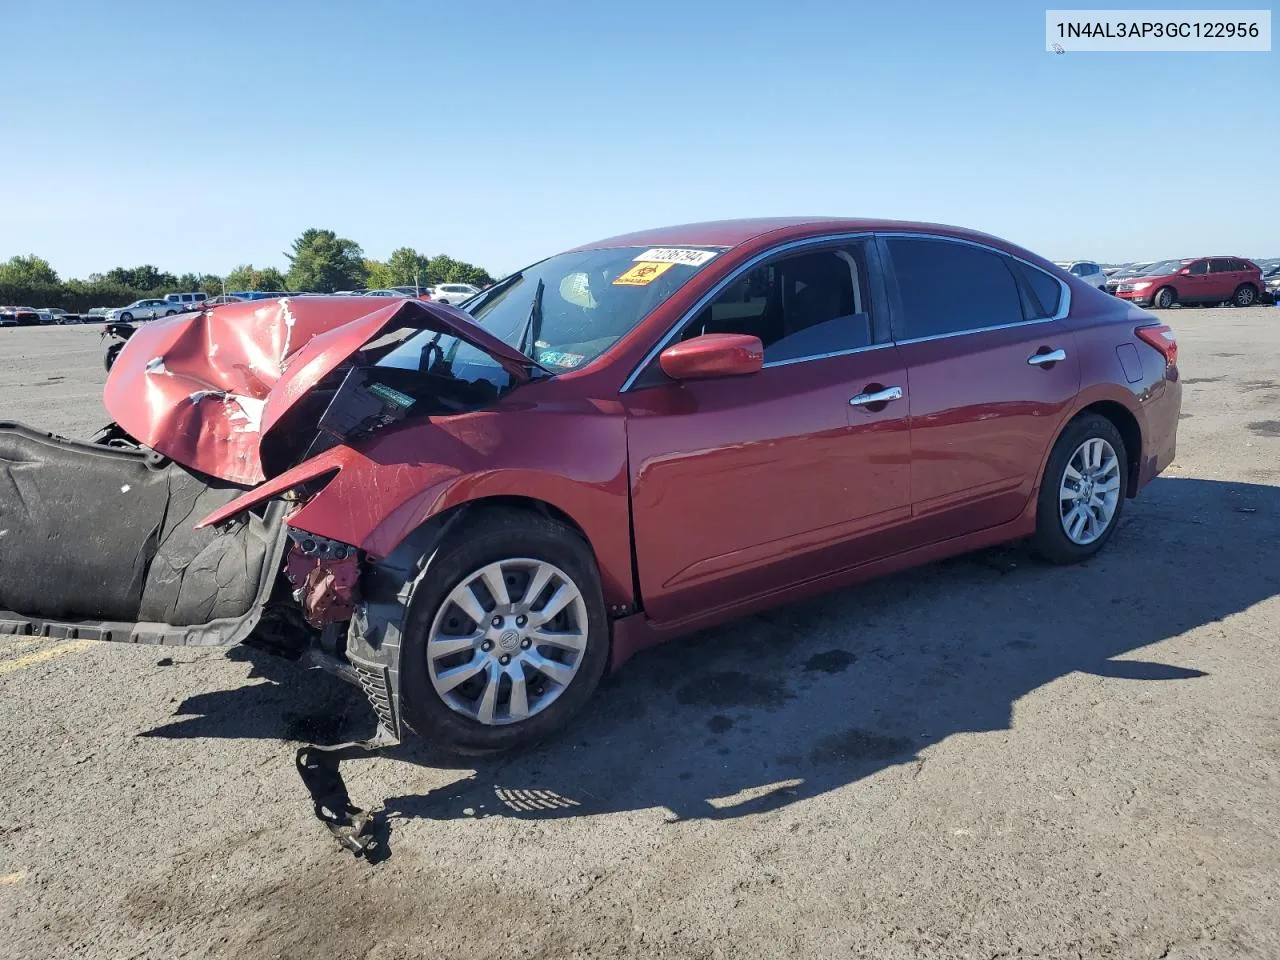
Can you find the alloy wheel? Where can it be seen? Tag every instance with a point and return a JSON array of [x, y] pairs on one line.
[[1244, 296], [507, 641], [1089, 491]]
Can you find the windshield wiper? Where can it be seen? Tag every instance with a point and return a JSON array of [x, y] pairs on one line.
[[532, 328]]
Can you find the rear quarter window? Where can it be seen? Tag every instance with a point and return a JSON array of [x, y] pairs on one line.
[[1046, 291]]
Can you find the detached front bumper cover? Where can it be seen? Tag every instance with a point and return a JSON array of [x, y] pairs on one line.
[[98, 544]]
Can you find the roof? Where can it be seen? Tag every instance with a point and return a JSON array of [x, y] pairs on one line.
[[731, 233]]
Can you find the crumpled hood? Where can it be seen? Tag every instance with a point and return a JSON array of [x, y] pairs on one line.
[[204, 388]]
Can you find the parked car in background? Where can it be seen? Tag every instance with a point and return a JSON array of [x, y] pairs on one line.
[[388, 292], [1271, 283], [60, 316], [144, 310], [453, 293], [219, 301], [187, 301], [1086, 270], [7, 317], [1127, 272], [421, 293], [22, 316], [259, 294], [485, 538], [1205, 281]]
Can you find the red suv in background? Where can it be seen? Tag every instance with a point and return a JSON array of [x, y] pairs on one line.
[[1207, 281]]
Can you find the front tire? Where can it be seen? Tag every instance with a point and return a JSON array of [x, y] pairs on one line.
[[483, 668], [126, 318], [1164, 298], [1082, 491], [1245, 295]]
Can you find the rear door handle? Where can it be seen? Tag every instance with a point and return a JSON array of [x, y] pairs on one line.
[[1053, 356], [880, 396]]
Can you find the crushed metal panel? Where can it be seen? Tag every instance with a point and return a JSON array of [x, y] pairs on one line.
[[203, 388]]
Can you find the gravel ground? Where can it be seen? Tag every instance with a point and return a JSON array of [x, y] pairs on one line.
[[984, 758]]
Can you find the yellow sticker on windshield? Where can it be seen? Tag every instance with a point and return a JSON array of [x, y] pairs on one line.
[[642, 274]]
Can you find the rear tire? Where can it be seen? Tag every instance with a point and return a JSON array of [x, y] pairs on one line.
[[1058, 514], [1164, 298], [1245, 295], [445, 719]]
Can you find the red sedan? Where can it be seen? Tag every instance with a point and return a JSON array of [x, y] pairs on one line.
[[478, 514]]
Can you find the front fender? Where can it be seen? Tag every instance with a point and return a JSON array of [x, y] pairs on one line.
[[381, 491]]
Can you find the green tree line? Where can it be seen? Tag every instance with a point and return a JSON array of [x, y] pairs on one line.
[[319, 262]]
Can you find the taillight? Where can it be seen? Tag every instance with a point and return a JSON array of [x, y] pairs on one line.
[[1161, 337]]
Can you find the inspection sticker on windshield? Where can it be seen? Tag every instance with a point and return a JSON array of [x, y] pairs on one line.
[[642, 274], [690, 258]]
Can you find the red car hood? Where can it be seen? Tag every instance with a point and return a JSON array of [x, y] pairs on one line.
[[204, 388]]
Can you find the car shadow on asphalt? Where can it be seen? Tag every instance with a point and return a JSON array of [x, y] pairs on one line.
[[780, 707]]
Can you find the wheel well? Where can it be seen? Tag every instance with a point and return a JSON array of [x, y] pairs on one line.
[[524, 503], [1130, 432]]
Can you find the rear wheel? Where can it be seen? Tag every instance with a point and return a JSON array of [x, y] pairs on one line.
[[171, 313], [506, 636], [1082, 491], [1245, 295], [1164, 298]]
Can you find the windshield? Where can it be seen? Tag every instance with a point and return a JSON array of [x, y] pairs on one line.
[[563, 312], [1161, 268]]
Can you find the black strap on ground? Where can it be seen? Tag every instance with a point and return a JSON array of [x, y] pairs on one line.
[[356, 830]]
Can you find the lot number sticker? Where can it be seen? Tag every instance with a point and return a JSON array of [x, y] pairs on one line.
[[690, 258], [642, 274]]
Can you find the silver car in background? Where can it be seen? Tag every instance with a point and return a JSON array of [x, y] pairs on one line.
[[1086, 270], [453, 292], [144, 310]]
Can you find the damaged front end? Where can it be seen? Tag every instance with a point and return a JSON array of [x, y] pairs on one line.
[[174, 526]]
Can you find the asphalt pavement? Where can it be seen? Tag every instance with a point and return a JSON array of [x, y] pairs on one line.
[[987, 757]]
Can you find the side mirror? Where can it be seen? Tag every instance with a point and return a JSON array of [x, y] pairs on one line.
[[1185, 271], [713, 355]]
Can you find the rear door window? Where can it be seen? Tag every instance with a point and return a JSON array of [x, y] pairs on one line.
[[946, 287], [1220, 265]]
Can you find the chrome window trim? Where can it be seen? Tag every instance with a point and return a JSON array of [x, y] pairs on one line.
[[965, 333], [825, 356], [1064, 307], [711, 294]]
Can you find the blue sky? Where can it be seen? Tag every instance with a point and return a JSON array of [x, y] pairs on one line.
[[499, 132]]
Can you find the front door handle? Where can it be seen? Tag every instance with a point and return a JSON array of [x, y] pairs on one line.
[[1053, 356], [880, 396]]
